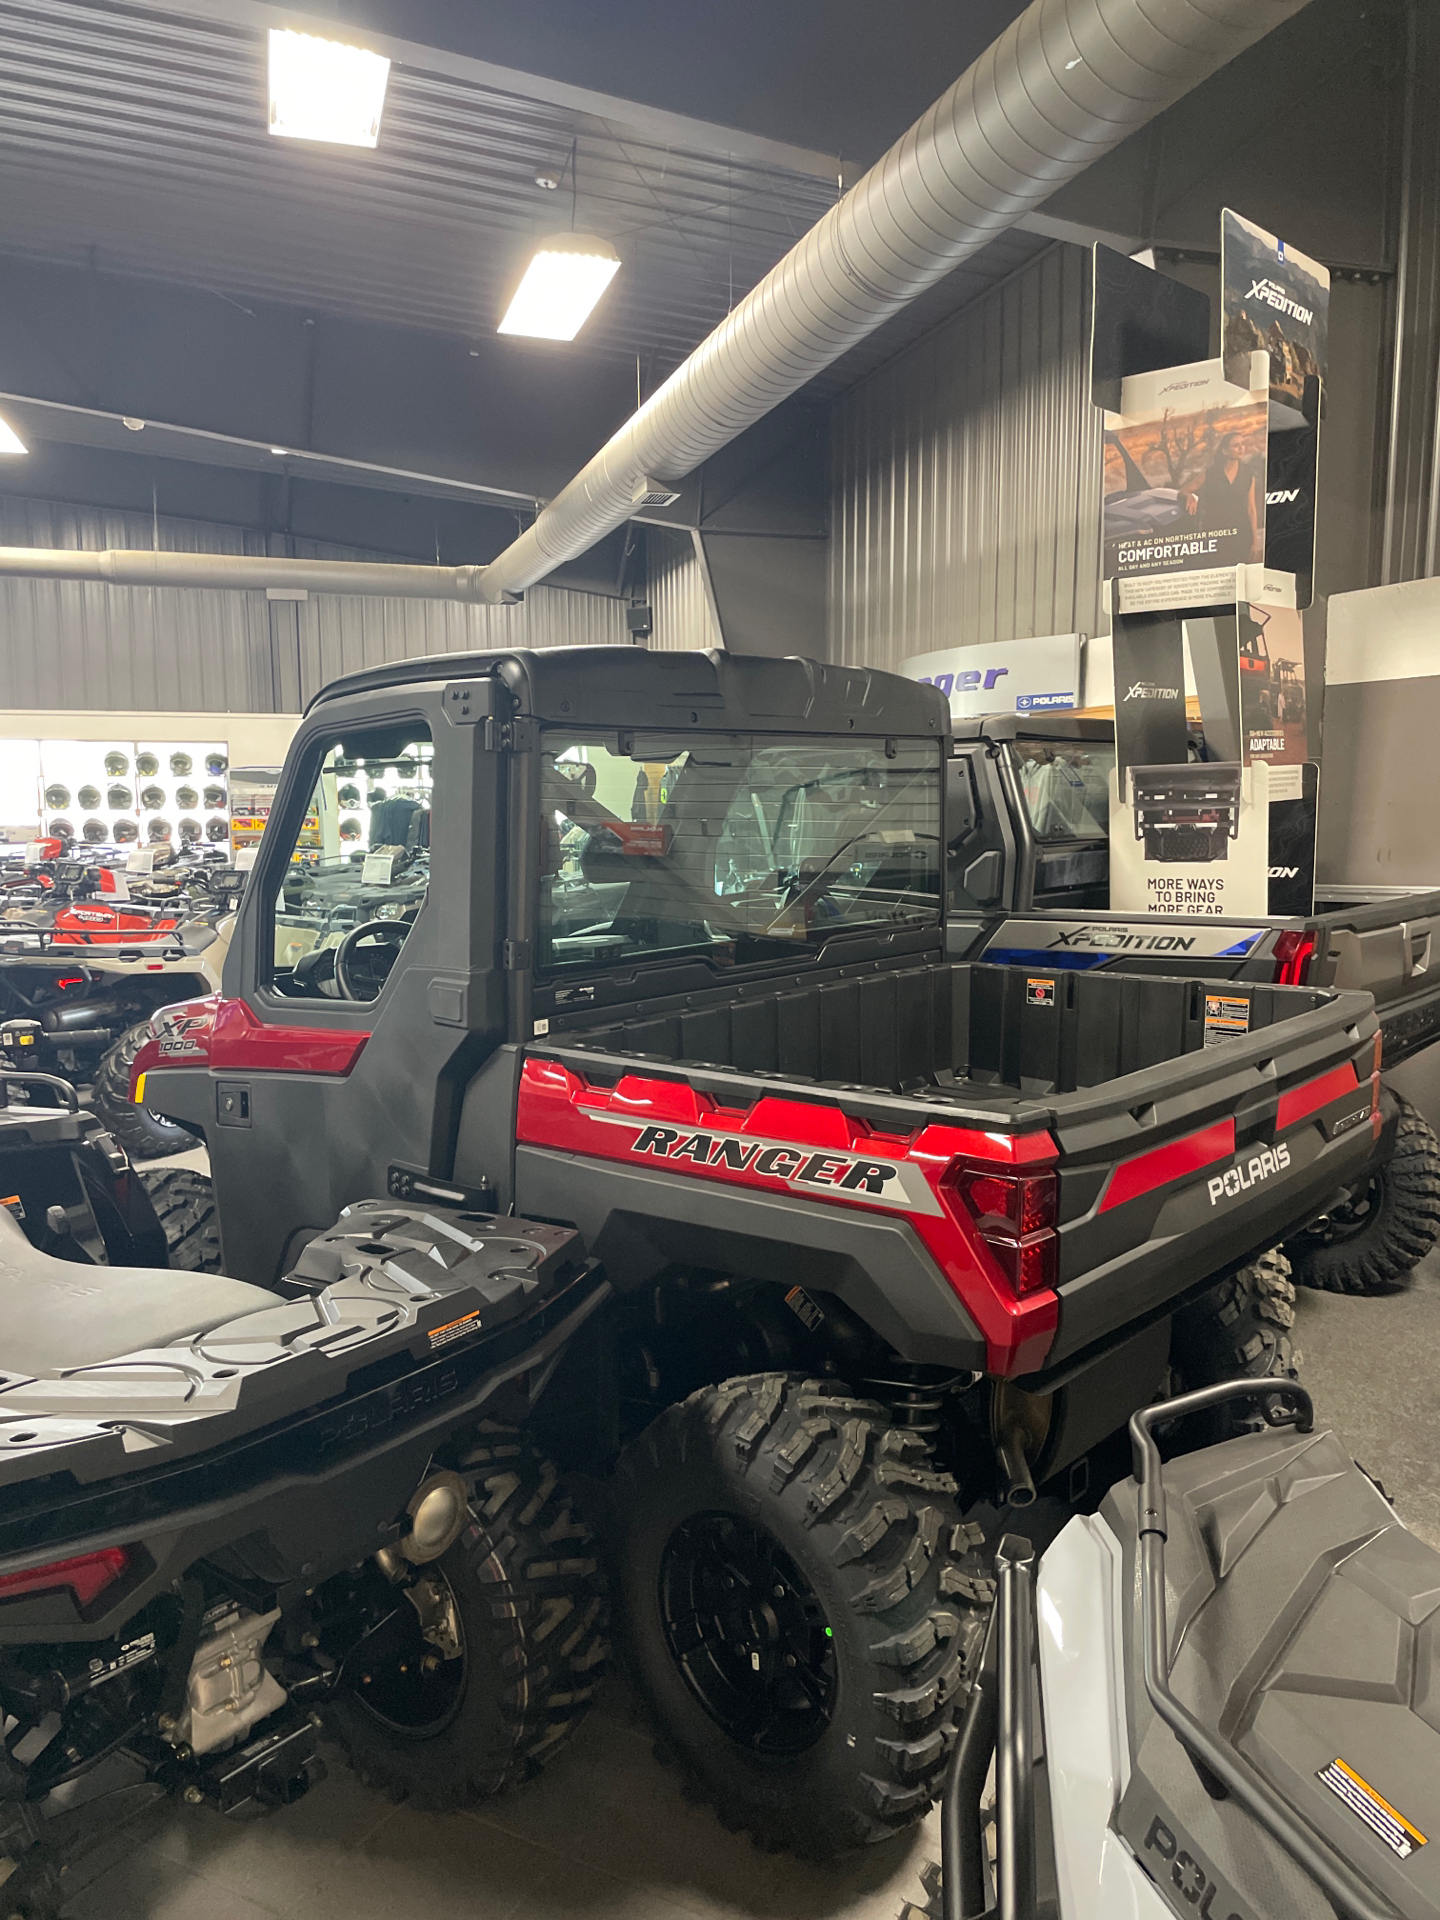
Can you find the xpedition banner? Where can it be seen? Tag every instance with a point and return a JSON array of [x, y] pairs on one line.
[[1277, 301]]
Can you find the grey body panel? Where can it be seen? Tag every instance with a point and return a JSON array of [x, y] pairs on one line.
[[1304, 1628], [639, 1222]]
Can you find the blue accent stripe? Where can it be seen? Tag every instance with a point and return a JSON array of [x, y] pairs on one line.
[[1240, 948]]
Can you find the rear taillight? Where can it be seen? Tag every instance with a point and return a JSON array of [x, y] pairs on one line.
[[86, 1576], [1015, 1215], [1293, 954]]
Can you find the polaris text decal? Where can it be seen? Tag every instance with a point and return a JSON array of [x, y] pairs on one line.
[[1239, 1179], [823, 1172]]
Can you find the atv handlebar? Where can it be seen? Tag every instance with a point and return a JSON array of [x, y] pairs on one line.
[[1311, 1853]]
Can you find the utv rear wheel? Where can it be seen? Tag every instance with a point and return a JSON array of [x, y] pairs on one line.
[[477, 1676], [1386, 1227], [1240, 1330], [145, 1135], [803, 1607], [184, 1203]]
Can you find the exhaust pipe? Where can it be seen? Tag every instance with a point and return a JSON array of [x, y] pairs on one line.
[[1016, 1481], [1065, 83]]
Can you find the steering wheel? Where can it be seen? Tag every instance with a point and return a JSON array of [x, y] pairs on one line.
[[389, 933]]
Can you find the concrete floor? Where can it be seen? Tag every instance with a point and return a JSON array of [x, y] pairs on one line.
[[605, 1834]]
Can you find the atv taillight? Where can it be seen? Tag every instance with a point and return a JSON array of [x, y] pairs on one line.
[[87, 1576], [1293, 954], [1015, 1215]]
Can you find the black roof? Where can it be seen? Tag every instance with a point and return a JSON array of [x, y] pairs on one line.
[[1035, 726], [634, 687]]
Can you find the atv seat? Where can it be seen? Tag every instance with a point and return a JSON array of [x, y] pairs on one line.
[[56, 1314]]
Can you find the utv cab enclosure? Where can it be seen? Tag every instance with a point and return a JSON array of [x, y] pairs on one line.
[[657, 950]]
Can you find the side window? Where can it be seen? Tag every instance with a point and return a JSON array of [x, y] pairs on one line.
[[358, 869], [976, 846]]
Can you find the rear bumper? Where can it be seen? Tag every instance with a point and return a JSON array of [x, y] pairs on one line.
[[1196, 1232]]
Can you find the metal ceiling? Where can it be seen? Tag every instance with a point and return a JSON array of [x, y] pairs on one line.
[[136, 138], [133, 139]]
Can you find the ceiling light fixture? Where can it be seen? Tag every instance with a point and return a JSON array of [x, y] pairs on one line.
[[562, 284], [324, 90], [10, 441]]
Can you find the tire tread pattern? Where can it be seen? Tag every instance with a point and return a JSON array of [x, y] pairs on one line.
[[1403, 1227], [138, 1131]]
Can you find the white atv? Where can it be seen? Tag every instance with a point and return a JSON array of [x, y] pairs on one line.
[[1237, 1669]]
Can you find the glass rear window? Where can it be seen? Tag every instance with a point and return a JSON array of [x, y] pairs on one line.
[[732, 847], [1066, 787]]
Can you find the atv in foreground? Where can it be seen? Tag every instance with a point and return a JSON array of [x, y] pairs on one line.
[[230, 1515], [1234, 1664], [897, 1241]]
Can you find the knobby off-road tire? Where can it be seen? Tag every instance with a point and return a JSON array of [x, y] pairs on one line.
[[1371, 1243], [143, 1134], [1239, 1330], [778, 1528], [530, 1595], [184, 1203]]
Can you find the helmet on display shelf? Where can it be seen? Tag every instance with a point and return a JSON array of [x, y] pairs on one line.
[[147, 765], [349, 796], [124, 831], [350, 828], [186, 797], [151, 798], [119, 799], [116, 764], [217, 829], [216, 763], [89, 798], [96, 832], [61, 830], [159, 829], [57, 796], [180, 764], [189, 832], [215, 799]]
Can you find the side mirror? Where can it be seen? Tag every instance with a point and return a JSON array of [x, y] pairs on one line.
[[982, 878]]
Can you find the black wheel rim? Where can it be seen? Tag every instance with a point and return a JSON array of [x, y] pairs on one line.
[[746, 1630], [403, 1681], [1354, 1215]]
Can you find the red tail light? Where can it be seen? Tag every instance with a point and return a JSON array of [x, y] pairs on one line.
[[1293, 954], [1015, 1214], [87, 1576]]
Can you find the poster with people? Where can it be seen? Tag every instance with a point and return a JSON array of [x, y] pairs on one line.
[[1277, 301], [1184, 486]]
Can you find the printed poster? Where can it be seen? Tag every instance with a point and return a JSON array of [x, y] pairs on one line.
[[1184, 486]]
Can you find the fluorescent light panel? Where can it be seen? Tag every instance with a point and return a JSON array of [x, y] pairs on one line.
[[561, 287], [324, 90], [10, 441]]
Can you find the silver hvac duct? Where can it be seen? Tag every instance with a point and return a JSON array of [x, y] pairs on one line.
[[143, 569], [1066, 82]]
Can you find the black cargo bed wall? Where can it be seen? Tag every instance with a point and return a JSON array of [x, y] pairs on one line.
[[990, 1027]]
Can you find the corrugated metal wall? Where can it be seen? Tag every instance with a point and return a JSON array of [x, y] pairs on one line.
[[680, 606], [86, 647], [964, 495]]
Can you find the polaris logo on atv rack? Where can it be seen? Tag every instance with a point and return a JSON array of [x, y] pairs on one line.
[[1239, 1179]]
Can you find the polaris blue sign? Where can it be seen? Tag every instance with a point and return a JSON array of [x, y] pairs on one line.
[[1007, 676]]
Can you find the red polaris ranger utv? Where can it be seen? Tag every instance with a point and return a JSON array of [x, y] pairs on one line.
[[654, 949]]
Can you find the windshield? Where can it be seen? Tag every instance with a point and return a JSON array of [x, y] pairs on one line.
[[736, 847], [1066, 788]]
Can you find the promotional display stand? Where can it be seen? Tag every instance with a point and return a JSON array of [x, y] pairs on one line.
[[1209, 519]]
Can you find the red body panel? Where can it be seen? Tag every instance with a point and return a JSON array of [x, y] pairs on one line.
[[225, 1035], [1300, 1102], [112, 926], [816, 1151], [1173, 1161]]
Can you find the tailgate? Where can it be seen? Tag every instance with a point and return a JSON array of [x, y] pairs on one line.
[[1398, 962], [1212, 1159]]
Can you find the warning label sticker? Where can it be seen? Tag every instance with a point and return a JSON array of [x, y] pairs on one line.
[[1040, 993], [1378, 1814], [455, 1329], [1226, 1018]]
